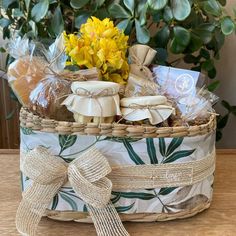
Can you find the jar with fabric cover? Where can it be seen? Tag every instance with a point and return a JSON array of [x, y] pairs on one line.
[[94, 101], [154, 108]]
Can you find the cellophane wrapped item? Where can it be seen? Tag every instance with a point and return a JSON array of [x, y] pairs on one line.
[[26, 71], [137, 87], [46, 98], [186, 91], [198, 106]]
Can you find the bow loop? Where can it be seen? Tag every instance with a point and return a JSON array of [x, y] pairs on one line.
[[92, 165], [44, 168], [88, 180]]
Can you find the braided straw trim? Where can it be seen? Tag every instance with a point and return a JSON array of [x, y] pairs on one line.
[[84, 217], [29, 120]]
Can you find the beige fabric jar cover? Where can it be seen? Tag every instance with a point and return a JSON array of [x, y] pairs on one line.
[[154, 108], [94, 101]]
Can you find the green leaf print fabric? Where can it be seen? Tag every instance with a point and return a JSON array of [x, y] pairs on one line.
[[128, 151]]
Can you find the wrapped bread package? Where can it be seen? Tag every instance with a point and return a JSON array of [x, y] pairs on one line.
[[24, 75], [46, 98], [31, 63], [94, 101]]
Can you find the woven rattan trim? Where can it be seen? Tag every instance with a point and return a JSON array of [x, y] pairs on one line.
[[136, 217], [29, 120]]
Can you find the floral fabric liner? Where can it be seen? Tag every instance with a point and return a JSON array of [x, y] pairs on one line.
[[129, 151]]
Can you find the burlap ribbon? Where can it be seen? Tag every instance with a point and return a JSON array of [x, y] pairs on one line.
[[150, 176], [141, 57], [86, 175]]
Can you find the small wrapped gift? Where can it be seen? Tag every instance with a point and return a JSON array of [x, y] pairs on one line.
[[141, 57], [46, 98]]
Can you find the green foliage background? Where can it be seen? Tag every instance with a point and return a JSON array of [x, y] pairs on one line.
[[193, 29]]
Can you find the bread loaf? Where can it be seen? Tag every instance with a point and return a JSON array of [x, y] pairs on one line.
[[46, 98]]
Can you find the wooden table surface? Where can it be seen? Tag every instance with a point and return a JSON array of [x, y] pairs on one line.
[[219, 220]]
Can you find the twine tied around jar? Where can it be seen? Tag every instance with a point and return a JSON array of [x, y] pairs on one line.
[[135, 107], [95, 96], [100, 93]]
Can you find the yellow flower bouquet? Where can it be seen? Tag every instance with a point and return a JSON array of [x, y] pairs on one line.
[[102, 45]]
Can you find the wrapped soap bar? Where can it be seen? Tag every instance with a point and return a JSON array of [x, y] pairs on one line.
[[46, 98], [154, 108], [94, 101]]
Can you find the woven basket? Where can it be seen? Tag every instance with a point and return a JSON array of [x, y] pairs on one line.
[[35, 122], [158, 204]]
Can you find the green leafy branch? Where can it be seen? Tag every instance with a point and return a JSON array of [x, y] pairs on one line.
[[193, 30], [223, 119]]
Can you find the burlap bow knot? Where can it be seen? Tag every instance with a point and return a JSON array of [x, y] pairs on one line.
[[86, 175]]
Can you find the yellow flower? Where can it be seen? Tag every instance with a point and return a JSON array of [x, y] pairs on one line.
[[70, 41], [82, 57], [109, 53], [102, 45]]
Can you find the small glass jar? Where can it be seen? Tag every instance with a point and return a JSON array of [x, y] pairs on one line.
[[94, 101], [154, 108]]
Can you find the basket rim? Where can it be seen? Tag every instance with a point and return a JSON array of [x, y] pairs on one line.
[[37, 123]]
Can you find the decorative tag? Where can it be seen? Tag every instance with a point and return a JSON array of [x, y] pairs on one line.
[[176, 82]]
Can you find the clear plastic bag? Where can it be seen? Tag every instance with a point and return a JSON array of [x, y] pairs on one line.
[[198, 106], [185, 88], [26, 71], [24, 74], [137, 87], [46, 98]]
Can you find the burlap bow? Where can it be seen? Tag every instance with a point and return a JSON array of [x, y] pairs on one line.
[[86, 175], [141, 57]]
